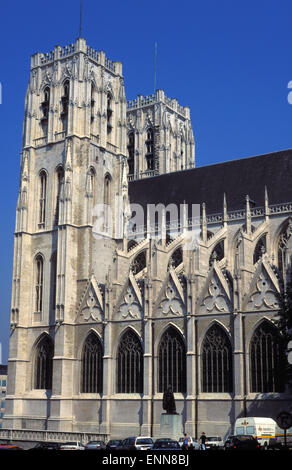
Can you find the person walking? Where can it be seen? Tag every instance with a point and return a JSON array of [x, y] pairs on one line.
[[203, 441], [186, 441]]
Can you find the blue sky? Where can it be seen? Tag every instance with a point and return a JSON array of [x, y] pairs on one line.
[[230, 61]]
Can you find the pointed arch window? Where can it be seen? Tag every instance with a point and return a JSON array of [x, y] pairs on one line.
[[284, 247], [92, 365], [217, 253], [139, 263], [107, 189], [60, 181], [54, 279], [176, 258], [217, 373], [130, 364], [43, 364], [65, 105], [172, 362], [39, 278], [45, 108], [150, 149], [42, 198], [107, 201], [260, 249], [92, 184], [109, 112], [131, 152], [266, 360], [92, 101], [182, 144]]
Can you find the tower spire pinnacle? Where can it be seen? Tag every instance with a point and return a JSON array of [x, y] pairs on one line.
[[80, 22]]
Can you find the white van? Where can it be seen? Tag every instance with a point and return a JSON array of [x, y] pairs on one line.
[[263, 429]]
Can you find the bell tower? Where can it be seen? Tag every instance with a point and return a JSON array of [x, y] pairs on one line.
[[75, 90], [73, 158]]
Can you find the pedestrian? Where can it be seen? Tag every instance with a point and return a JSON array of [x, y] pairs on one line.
[[186, 441], [203, 441]]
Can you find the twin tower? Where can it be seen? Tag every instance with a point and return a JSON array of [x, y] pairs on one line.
[[82, 143]]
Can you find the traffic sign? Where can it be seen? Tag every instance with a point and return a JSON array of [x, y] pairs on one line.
[[284, 420], [290, 352]]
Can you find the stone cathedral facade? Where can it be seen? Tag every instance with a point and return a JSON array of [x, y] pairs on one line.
[[102, 325]]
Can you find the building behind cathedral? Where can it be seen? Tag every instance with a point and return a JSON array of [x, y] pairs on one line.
[[103, 322]]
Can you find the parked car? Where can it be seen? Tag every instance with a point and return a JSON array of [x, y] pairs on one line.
[[94, 445], [72, 445], [113, 444], [46, 446], [10, 447], [137, 443], [166, 444], [214, 443], [241, 442], [194, 444]]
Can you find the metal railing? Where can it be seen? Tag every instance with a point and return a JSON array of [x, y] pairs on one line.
[[50, 436], [212, 219]]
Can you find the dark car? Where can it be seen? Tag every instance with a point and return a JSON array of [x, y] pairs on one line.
[[241, 442], [113, 444], [46, 446], [166, 444]]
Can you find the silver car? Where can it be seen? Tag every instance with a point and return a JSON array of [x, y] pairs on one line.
[[214, 442], [137, 443], [74, 445], [95, 445]]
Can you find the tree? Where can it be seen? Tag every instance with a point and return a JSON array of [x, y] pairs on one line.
[[283, 320]]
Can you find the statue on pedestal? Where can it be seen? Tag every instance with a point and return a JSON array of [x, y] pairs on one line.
[[169, 402]]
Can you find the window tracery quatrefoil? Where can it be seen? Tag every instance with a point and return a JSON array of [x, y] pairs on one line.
[[216, 299], [171, 304], [130, 307], [264, 296], [91, 309]]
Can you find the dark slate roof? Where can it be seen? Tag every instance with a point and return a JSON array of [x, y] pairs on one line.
[[235, 178]]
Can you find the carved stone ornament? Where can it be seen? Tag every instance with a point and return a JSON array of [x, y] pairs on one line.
[[172, 304], [91, 309], [216, 298], [264, 296], [91, 306], [130, 306], [47, 77]]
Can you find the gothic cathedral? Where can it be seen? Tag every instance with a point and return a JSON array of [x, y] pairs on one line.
[[102, 322]]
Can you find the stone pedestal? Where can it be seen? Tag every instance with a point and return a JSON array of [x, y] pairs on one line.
[[170, 426]]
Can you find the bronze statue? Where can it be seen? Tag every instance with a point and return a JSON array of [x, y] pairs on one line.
[[168, 402]]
